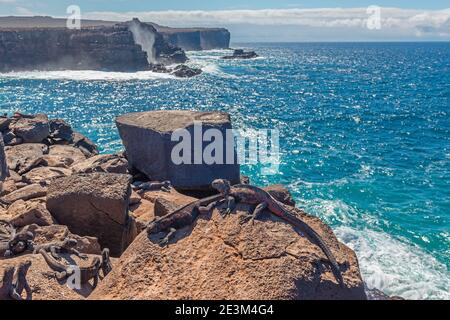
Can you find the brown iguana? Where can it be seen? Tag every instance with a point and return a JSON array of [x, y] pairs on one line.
[[181, 217], [56, 248], [20, 282], [153, 186], [248, 194], [63, 271]]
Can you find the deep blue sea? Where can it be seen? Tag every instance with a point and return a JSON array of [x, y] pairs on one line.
[[365, 137]]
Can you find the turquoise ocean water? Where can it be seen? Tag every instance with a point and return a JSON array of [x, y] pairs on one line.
[[365, 137]]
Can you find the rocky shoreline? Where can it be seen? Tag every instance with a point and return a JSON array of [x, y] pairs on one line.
[[124, 47], [59, 187]]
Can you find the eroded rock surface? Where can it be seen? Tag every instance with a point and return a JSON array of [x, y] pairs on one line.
[[94, 204], [219, 258]]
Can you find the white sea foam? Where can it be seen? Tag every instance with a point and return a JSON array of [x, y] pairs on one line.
[[86, 75], [397, 267], [392, 265]]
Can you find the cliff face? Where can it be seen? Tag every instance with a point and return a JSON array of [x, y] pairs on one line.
[[196, 39], [99, 48], [110, 48]]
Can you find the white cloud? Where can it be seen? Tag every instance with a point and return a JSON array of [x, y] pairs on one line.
[[7, 1], [321, 17], [24, 11]]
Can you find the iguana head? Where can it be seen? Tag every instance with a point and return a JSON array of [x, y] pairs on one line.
[[167, 184], [221, 185], [24, 266], [70, 242]]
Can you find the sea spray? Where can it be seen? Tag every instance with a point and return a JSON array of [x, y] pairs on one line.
[[145, 38]]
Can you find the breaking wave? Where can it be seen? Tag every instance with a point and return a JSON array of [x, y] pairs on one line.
[[392, 265], [86, 75]]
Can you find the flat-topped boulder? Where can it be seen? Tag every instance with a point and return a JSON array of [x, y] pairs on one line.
[[94, 204], [147, 137]]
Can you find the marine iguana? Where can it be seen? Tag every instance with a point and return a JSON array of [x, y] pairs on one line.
[[106, 262], [20, 282], [153, 186], [248, 194], [56, 248], [182, 217], [18, 244], [63, 271]]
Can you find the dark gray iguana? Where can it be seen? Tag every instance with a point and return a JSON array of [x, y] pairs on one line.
[[56, 248], [248, 194], [18, 243], [63, 271], [20, 282], [153, 186], [182, 217]]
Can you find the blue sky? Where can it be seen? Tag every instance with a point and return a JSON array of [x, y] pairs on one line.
[[267, 20], [57, 7]]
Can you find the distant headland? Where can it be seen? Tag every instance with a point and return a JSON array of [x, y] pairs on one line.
[[44, 43]]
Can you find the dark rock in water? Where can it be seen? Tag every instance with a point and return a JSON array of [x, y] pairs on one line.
[[96, 205], [60, 130], [241, 54], [159, 68], [31, 129], [147, 137], [183, 71]]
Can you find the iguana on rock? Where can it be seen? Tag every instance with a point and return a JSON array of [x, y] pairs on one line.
[[106, 265], [153, 186], [63, 271], [20, 282], [248, 194], [181, 217], [19, 243], [56, 248]]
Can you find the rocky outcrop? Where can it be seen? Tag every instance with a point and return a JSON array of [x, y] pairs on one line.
[[60, 188], [194, 39], [147, 138], [220, 258], [21, 214], [95, 205], [112, 163], [31, 129], [99, 48], [42, 280], [56, 232], [241, 54], [110, 48], [158, 50]]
